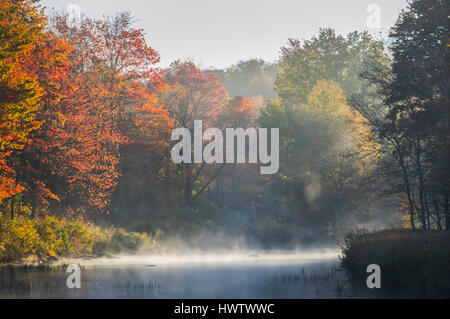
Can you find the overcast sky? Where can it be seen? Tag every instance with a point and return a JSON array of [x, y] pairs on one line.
[[220, 33]]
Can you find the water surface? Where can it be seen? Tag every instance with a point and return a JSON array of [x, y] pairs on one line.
[[226, 275]]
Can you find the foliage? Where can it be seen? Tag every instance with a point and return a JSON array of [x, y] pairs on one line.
[[328, 57], [326, 150], [52, 237], [129, 242], [17, 240], [409, 112], [86, 118], [21, 29], [111, 64], [249, 78], [193, 95], [412, 262]]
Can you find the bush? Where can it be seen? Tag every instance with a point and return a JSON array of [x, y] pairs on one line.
[[413, 263], [17, 240], [52, 237], [84, 236], [122, 241]]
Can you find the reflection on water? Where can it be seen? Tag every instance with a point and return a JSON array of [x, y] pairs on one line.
[[249, 275]]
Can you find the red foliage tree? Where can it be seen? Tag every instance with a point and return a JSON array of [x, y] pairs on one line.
[[75, 156], [193, 95]]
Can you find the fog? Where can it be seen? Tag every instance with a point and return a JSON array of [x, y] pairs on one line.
[[214, 259], [239, 274]]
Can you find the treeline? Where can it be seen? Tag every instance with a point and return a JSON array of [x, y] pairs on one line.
[[409, 113], [397, 103], [86, 118], [64, 98]]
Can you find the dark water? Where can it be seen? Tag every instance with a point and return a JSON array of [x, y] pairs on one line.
[[213, 276]]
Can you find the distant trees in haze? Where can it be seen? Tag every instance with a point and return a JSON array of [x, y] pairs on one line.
[[250, 78]]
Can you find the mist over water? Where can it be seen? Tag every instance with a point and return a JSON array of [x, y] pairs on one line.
[[209, 258], [235, 274]]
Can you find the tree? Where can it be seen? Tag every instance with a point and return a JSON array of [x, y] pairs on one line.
[[329, 57], [410, 110], [327, 152], [326, 156], [238, 112], [21, 29], [38, 159], [239, 184], [193, 95], [111, 79], [420, 91], [249, 78]]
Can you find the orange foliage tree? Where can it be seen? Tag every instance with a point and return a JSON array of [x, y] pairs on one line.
[[112, 80], [193, 95], [39, 158], [21, 30], [239, 183]]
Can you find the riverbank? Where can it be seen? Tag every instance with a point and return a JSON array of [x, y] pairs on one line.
[[413, 263], [49, 238]]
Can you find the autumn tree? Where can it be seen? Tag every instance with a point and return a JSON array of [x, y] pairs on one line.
[[40, 157], [238, 112], [326, 151], [21, 31], [110, 79], [193, 95], [240, 184], [326, 148], [329, 57]]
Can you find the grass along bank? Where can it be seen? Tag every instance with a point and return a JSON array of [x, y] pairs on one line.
[[413, 263]]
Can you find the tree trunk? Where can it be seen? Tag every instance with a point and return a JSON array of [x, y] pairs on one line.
[[12, 207], [422, 212], [33, 210], [438, 213], [408, 192], [446, 212], [427, 210], [189, 185]]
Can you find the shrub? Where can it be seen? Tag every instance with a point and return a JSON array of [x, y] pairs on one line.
[[83, 236], [54, 235], [50, 236], [129, 242], [413, 263], [17, 240]]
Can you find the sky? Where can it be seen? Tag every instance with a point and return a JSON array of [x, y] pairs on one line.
[[215, 33]]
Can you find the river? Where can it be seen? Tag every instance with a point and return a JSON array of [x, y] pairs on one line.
[[223, 275]]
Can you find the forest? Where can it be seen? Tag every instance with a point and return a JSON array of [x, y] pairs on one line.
[[86, 117]]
